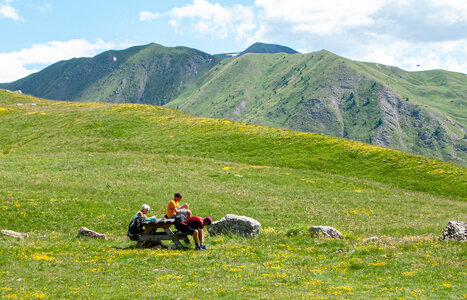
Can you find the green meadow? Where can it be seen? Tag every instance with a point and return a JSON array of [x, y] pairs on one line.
[[64, 165]]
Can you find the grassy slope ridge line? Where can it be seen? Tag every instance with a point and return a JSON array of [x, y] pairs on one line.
[[97, 127], [417, 112]]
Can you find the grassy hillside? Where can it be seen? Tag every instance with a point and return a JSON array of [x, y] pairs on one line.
[[417, 112], [324, 93], [151, 74], [64, 165], [440, 91]]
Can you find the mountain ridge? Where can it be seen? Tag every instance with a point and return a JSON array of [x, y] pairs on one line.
[[419, 112], [129, 75], [325, 93]]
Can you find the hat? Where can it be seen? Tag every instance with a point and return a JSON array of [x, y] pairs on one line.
[[208, 220]]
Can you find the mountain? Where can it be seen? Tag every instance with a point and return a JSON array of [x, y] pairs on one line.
[[260, 48], [418, 112], [144, 74], [268, 48]]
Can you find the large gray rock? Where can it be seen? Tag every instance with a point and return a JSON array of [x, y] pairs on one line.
[[455, 231], [240, 225], [325, 231], [14, 234], [83, 231]]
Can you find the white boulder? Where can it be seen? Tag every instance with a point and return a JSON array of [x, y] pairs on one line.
[[455, 231], [83, 231], [325, 231], [240, 225]]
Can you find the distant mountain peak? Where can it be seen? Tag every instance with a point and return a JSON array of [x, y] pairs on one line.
[[261, 48], [268, 48]]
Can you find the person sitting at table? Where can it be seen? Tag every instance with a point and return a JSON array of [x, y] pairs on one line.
[[174, 210], [142, 213], [194, 226]]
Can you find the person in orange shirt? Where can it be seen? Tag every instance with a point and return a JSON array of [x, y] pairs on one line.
[[174, 209]]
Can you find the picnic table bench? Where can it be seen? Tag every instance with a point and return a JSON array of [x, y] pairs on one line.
[[151, 234]]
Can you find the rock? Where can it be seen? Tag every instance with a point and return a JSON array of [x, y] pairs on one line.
[[325, 231], [240, 225], [83, 231], [455, 231], [172, 247], [371, 239], [15, 234]]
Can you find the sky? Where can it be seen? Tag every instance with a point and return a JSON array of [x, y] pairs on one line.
[[411, 34]]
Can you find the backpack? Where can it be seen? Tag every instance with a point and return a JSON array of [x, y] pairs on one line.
[[179, 219], [136, 226]]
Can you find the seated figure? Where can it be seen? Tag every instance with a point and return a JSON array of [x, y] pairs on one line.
[[142, 213], [194, 226], [174, 210]]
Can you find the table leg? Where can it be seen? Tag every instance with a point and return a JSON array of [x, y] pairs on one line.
[[173, 238]]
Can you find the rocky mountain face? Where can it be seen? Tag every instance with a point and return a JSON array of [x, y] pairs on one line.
[[418, 112], [324, 93]]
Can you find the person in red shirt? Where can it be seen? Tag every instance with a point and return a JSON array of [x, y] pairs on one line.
[[194, 226]]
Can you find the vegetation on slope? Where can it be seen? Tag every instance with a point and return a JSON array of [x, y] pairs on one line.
[[65, 165], [418, 112], [324, 93], [151, 74]]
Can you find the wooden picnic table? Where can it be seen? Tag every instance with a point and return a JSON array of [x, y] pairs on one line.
[[151, 234]]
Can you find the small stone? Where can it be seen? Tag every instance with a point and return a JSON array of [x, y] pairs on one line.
[[18, 235], [240, 225], [455, 231], [172, 247], [325, 231], [371, 239], [83, 231]]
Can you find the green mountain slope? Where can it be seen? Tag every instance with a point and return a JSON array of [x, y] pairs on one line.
[[64, 165], [212, 138], [144, 74], [324, 93], [418, 112]]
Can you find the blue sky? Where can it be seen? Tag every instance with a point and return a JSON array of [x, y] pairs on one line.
[[413, 35]]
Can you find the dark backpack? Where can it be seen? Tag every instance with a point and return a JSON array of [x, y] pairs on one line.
[[136, 226], [179, 219]]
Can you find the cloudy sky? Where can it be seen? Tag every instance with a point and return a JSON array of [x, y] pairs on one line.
[[413, 35]]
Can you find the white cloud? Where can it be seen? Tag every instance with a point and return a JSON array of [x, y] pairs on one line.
[[147, 15], [449, 55], [318, 17], [452, 10], [413, 35], [9, 12], [14, 65], [210, 19]]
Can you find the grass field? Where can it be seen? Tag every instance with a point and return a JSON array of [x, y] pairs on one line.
[[65, 165]]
